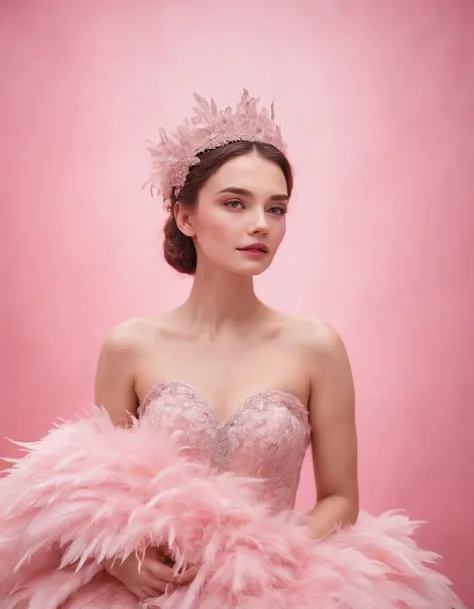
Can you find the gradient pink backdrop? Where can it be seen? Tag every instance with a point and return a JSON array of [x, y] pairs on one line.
[[377, 103]]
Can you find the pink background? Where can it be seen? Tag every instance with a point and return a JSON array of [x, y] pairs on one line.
[[376, 99]]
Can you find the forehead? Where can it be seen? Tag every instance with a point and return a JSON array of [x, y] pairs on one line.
[[249, 171]]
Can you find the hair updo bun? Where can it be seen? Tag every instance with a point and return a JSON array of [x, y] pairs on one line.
[[179, 249]]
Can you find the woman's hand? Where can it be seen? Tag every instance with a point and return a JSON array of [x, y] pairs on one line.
[[150, 578]]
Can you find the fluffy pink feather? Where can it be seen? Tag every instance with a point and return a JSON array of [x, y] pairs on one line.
[[89, 491]]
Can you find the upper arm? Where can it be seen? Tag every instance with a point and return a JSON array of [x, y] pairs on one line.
[[115, 375], [332, 415]]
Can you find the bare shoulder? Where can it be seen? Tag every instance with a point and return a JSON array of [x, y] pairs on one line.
[[323, 339], [123, 346], [117, 366], [321, 346], [315, 336], [127, 335]]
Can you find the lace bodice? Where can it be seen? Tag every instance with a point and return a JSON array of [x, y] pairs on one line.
[[266, 437]]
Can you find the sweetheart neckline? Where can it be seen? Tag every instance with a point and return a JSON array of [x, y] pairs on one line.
[[162, 385]]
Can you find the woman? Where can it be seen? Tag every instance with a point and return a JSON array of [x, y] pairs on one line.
[[244, 389]]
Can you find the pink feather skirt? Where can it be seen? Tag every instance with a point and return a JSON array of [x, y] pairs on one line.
[[89, 491]]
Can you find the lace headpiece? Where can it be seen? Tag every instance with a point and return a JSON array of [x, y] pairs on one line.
[[208, 128]]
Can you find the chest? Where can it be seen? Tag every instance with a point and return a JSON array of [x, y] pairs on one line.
[[227, 372], [266, 437]]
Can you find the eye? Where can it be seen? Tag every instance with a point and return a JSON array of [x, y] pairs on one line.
[[278, 211], [234, 204]]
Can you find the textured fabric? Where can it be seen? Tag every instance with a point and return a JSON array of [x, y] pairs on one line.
[[208, 128], [179, 479], [266, 437]]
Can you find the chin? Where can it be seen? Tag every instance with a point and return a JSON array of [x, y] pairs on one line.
[[247, 273], [251, 270]]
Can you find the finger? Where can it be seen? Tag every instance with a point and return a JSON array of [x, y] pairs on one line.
[[186, 576], [141, 592], [160, 571], [151, 592], [156, 585], [147, 591]]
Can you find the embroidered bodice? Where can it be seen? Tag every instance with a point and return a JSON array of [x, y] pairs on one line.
[[266, 437]]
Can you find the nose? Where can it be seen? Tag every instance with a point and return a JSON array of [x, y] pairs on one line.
[[259, 225]]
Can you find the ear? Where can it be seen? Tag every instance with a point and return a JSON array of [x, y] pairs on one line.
[[183, 218]]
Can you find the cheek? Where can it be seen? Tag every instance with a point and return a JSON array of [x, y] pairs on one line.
[[279, 230], [217, 228]]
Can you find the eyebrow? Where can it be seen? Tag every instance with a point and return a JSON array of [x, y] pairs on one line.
[[246, 193]]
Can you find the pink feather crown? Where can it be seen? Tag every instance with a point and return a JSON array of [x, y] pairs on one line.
[[208, 128]]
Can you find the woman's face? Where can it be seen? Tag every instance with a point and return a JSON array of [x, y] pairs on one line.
[[242, 205]]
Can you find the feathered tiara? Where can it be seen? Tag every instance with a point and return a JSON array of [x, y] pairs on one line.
[[208, 128]]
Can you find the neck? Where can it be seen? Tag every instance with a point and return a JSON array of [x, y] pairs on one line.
[[220, 300]]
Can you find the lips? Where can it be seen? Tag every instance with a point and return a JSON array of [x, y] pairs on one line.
[[255, 247]]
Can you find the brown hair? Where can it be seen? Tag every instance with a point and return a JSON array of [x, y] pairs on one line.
[[178, 248]]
